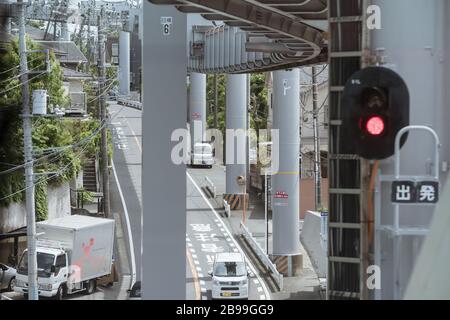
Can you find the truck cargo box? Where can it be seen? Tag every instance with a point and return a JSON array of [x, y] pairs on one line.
[[88, 241]]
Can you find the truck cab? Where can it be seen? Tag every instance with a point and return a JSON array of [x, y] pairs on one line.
[[202, 155], [53, 272]]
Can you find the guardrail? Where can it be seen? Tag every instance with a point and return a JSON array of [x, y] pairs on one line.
[[278, 277], [129, 103], [211, 187], [227, 208]]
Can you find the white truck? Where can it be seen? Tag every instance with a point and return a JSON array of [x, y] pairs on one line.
[[72, 252]]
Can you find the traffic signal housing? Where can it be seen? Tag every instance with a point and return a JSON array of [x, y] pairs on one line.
[[375, 107]]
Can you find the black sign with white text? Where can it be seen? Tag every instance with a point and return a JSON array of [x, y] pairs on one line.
[[408, 192]]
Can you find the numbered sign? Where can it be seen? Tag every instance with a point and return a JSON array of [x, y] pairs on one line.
[[166, 23]]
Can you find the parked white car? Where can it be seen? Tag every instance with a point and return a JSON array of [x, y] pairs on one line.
[[229, 276], [7, 277]]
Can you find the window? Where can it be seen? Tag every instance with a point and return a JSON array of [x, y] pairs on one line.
[[60, 263]]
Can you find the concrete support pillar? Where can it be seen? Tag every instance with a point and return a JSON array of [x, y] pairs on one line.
[[286, 182], [236, 124], [124, 63], [163, 180], [197, 112]]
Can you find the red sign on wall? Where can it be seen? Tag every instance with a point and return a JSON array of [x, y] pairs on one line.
[[281, 195]]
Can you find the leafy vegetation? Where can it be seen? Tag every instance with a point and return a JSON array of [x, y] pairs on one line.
[[50, 136], [258, 102]]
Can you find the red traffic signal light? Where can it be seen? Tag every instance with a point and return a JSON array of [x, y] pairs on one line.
[[375, 107], [375, 126]]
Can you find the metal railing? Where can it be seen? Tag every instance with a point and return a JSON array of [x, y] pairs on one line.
[[129, 103], [211, 187], [277, 276], [227, 208]]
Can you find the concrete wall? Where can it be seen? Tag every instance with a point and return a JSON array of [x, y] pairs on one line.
[[311, 240], [307, 195], [14, 216]]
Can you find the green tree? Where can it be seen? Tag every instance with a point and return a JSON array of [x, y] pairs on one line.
[[258, 101], [49, 135]]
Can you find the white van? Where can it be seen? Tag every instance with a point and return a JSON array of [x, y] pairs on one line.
[[229, 276], [202, 155]]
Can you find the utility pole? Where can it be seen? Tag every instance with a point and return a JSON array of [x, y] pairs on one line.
[[28, 157], [317, 163], [103, 116]]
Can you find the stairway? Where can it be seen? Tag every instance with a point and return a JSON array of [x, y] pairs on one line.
[[89, 176]]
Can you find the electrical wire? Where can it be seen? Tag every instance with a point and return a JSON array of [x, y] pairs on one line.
[[61, 171], [63, 149], [18, 66], [54, 153], [22, 83], [65, 168], [19, 75]]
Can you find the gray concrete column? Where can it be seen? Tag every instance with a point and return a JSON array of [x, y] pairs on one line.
[[197, 105], [163, 181], [236, 118], [124, 63], [286, 182]]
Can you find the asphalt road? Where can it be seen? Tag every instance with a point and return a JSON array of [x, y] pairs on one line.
[[207, 235], [126, 125]]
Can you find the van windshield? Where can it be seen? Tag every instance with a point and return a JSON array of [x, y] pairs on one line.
[[230, 269], [44, 263], [202, 149]]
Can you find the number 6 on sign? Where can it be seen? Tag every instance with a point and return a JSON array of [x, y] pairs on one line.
[[166, 23], [166, 29]]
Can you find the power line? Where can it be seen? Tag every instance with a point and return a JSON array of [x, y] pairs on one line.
[[22, 83], [64, 148]]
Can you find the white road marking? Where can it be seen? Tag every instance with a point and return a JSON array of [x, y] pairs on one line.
[[203, 289], [192, 250], [189, 244], [202, 282], [194, 256], [127, 221], [255, 281], [259, 289], [262, 297], [228, 239], [266, 291], [200, 275], [196, 262], [198, 269], [188, 240]]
